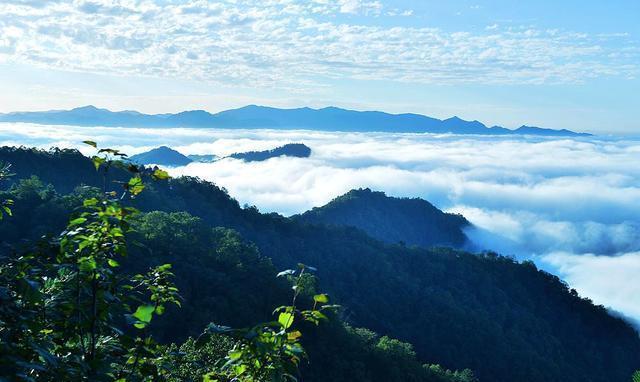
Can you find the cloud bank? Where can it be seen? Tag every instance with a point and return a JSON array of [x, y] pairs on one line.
[[571, 205], [295, 45]]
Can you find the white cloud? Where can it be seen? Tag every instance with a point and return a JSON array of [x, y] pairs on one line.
[[360, 6], [611, 281], [570, 204], [293, 45]]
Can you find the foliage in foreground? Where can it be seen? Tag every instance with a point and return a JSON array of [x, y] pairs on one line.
[[68, 313]]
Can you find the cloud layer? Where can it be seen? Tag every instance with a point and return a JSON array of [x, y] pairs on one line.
[[569, 204], [295, 45]]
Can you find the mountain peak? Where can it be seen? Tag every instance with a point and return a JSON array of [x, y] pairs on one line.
[[412, 221], [86, 108], [163, 156]]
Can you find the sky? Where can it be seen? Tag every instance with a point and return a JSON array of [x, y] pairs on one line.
[[559, 64]]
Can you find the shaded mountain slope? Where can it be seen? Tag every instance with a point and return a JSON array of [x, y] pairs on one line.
[[393, 220]]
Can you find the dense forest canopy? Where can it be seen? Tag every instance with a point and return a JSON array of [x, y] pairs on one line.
[[502, 319]]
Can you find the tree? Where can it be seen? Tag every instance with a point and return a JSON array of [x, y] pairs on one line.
[[66, 308], [68, 312], [5, 204]]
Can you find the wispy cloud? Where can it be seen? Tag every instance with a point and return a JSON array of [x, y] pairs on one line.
[[294, 45]]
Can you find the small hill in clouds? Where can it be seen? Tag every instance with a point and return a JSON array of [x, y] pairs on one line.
[[166, 156], [163, 156], [298, 150], [412, 221], [263, 117]]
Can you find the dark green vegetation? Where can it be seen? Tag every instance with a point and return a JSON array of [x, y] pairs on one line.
[[297, 150], [393, 220], [69, 313], [252, 116], [504, 320], [163, 156]]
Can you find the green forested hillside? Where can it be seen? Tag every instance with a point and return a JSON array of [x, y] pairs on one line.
[[504, 320], [411, 221]]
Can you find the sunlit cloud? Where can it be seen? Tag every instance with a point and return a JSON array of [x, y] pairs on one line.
[[293, 45], [571, 205], [608, 280]]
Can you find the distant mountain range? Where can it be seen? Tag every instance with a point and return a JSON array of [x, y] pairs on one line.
[[411, 221], [252, 116], [166, 156]]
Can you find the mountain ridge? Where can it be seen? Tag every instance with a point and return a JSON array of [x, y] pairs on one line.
[[254, 116], [296, 150]]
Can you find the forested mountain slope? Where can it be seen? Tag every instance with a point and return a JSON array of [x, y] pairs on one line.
[[412, 221], [504, 320]]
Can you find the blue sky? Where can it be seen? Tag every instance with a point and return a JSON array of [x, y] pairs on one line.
[[559, 64]]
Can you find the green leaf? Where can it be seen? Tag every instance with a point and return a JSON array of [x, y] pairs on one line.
[[209, 377], [321, 298], [292, 336], [90, 202], [163, 267], [144, 313], [319, 315], [98, 161], [285, 319], [87, 264], [636, 376], [239, 369], [113, 152], [113, 263], [91, 143], [160, 175], [236, 354], [135, 186], [77, 221]]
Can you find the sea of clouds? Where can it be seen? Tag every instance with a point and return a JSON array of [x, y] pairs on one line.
[[572, 205]]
